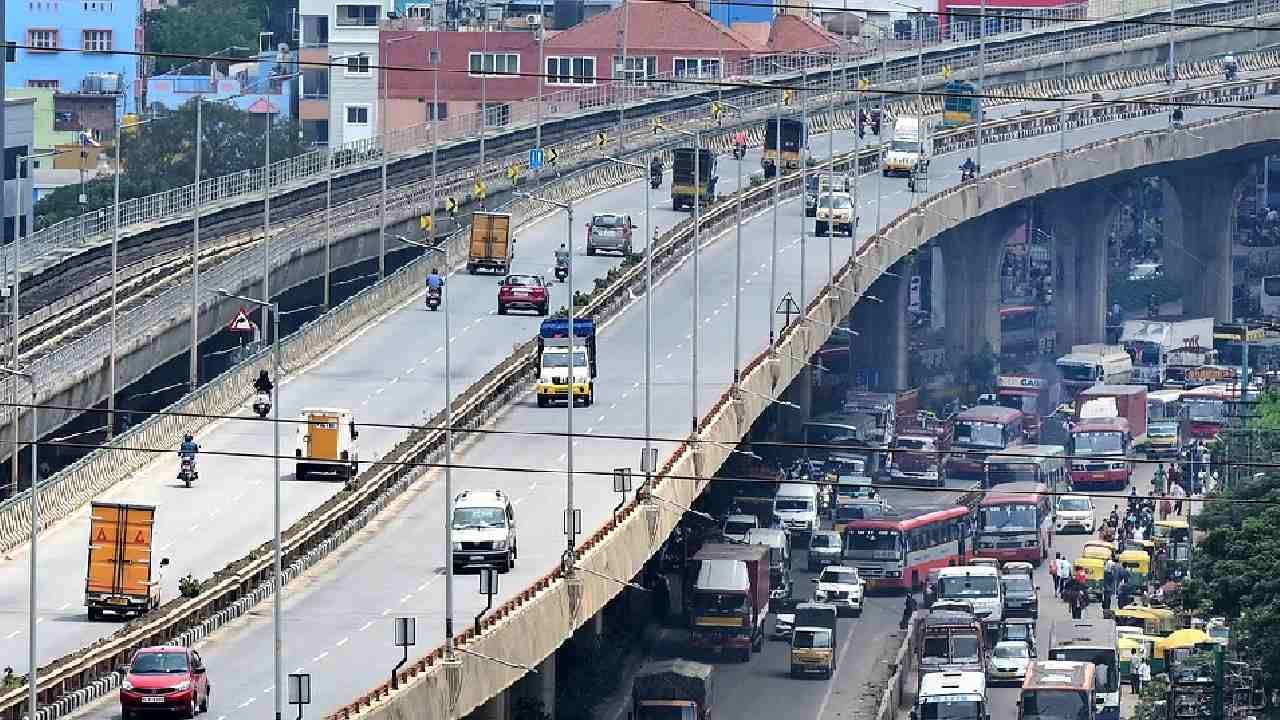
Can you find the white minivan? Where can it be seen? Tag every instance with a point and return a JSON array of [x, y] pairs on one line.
[[796, 504]]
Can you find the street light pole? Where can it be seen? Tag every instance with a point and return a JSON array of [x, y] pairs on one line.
[[697, 288], [804, 174], [195, 263], [982, 74], [33, 660], [773, 252], [277, 577]]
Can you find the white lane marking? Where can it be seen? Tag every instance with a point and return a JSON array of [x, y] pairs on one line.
[[635, 384], [364, 402], [406, 598], [588, 432], [533, 485], [614, 406], [600, 419], [64, 606], [562, 457], [386, 612], [517, 501], [245, 704], [669, 356], [13, 634], [394, 380], [365, 626], [237, 497], [320, 657], [409, 371], [342, 642], [39, 620], [379, 391], [222, 717]]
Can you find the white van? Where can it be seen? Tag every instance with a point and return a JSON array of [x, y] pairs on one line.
[[779, 559], [796, 504], [484, 530], [979, 586]]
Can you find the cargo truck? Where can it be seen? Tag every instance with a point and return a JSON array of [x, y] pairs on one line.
[[793, 139], [1088, 365], [491, 246], [326, 444], [729, 599], [814, 640], [554, 361], [1151, 342], [667, 689], [909, 147], [1110, 418], [684, 186], [120, 580]]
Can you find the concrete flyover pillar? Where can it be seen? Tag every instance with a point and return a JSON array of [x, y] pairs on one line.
[[536, 689], [887, 328], [1080, 218], [1207, 195], [937, 288], [972, 253], [495, 708]]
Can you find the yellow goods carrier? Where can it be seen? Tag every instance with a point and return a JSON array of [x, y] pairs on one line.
[[327, 444]]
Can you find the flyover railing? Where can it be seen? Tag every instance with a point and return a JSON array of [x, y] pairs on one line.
[[1058, 32]]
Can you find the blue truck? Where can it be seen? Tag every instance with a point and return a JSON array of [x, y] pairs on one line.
[[557, 353]]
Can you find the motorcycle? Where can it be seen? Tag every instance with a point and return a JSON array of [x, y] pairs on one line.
[[433, 299], [739, 152], [655, 179], [187, 471], [968, 173], [1231, 73], [262, 404], [562, 272]]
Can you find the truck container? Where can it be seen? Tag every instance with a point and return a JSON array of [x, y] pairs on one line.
[[1088, 365], [730, 598], [554, 361], [949, 641], [814, 640], [1130, 402], [909, 147], [666, 689], [1151, 341], [120, 580], [1028, 394], [491, 246], [326, 444], [793, 139], [684, 186]]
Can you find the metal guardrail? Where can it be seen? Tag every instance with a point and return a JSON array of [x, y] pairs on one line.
[[73, 235], [75, 678]]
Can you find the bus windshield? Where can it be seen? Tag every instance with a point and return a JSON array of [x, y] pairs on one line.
[[1055, 705], [1008, 518], [872, 539], [949, 649], [1078, 373], [1103, 658], [980, 434], [1099, 443], [1006, 472], [1202, 410]]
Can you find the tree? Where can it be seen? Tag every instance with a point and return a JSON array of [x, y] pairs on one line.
[[1235, 570], [202, 27], [160, 156]]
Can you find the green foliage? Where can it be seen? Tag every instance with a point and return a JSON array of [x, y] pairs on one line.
[[160, 156], [977, 371], [201, 27], [188, 586], [588, 671], [1151, 701], [1236, 568]]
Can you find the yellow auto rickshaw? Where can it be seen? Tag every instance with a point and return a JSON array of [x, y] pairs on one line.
[[1138, 563], [1100, 550], [1156, 622], [1172, 531], [1094, 572], [1147, 546], [1178, 642]]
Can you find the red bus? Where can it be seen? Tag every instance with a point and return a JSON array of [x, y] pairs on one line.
[[1205, 410], [978, 431], [1014, 523], [898, 551], [1102, 444]]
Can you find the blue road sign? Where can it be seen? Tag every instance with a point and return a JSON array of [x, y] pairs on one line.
[[535, 158]]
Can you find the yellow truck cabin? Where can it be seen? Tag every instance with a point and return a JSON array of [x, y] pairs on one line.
[[326, 444]]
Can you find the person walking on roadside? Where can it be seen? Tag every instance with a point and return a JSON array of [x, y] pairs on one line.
[[1064, 574], [1157, 483], [1178, 496], [1053, 573], [1142, 676]]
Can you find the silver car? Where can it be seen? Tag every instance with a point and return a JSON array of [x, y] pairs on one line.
[[609, 231], [824, 550]]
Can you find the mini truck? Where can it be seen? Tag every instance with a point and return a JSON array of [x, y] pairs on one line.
[[813, 641], [668, 689], [119, 578], [684, 186], [730, 598], [491, 246], [554, 361], [326, 444], [793, 138]]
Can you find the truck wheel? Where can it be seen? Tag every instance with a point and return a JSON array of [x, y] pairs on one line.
[[591, 397], [542, 401], [471, 269], [502, 309], [94, 614], [795, 671], [590, 250], [126, 714]]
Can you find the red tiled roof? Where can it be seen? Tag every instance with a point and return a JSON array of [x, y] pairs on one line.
[[756, 32], [794, 33], [652, 25]]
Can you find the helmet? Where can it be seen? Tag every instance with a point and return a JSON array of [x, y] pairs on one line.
[[187, 437]]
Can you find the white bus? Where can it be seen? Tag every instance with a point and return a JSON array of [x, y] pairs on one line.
[[1270, 296]]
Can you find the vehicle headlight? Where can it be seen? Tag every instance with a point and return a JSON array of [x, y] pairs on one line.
[[457, 547], [820, 594], [183, 686], [499, 544], [126, 685]]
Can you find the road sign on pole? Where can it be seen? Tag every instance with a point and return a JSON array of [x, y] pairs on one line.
[[242, 323], [788, 307], [535, 158]]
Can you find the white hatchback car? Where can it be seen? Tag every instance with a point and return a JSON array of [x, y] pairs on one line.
[[1074, 512]]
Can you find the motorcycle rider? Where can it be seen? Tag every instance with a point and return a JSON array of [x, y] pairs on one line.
[[1230, 66], [434, 280], [968, 169], [263, 384], [188, 449], [655, 167], [562, 256]]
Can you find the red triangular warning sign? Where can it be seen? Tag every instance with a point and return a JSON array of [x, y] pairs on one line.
[[242, 323], [102, 535]]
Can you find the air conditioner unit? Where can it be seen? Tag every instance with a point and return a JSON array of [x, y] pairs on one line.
[[533, 20]]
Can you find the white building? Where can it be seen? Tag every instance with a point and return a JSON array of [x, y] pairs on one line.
[[340, 104], [19, 140]]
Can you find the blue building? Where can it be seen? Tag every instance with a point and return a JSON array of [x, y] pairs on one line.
[[728, 13], [243, 85], [90, 30]]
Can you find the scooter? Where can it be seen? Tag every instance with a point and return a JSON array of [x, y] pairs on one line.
[[562, 272], [433, 299], [1231, 73], [262, 404], [187, 471], [739, 152], [655, 179]]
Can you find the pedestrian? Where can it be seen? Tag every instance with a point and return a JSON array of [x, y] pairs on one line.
[[1178, 495], [908, 609], [1157, 483], [10, 680], [1081, 579], [1053, 573], [1064, 573], [1143, 675], [1165, 508], [1079, 597]]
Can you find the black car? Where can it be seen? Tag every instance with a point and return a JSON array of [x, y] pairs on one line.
[[1020, 598]]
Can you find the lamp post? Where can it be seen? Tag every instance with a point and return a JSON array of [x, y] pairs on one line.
[[448, 431], [277, 578], [383, 81], [266, 215], [737, 260], [570, 554], [697, 288], [982, 75], [33, 659], [919, 49], [773, 251], [24, 165]]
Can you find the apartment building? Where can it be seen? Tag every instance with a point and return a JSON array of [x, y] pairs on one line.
[[338, 53]]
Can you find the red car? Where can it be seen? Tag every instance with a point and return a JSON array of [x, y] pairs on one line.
[[523, 292], [166, 678]]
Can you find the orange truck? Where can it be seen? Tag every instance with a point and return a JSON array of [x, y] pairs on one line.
[[120, 579], [326, 445]]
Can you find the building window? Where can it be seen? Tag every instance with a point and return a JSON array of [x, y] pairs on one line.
[[497, 114], [418, 11], [50, 84], [358, 65], [697, 67], [357, 114], [638, 68], [437, 111], [42, 39], [97, 41], [571, 71], [104, 6], [357, 16], [491, 64]]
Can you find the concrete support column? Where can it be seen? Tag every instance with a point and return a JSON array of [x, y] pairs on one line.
[[888, 327], [972, 253], [495, 708], [1080, 218], [937, 288], [1207, 195], [791, 421], [539, 687]]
